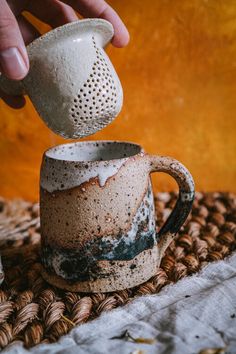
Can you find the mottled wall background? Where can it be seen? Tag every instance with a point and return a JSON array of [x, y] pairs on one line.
[[179, 79]]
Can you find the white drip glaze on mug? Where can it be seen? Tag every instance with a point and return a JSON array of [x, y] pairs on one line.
[[53, 177], [70, 165]]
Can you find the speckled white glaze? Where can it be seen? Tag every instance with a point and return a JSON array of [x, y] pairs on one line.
[[71, 80], [97, 214], [69, 165], [142, 214]]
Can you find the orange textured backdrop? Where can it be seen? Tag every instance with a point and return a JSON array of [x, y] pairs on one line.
[[179, 79]]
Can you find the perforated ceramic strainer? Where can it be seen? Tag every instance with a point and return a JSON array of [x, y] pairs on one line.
[[100, 97], [71, 81]]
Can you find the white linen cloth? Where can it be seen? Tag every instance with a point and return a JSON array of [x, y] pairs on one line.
[[206, 318]]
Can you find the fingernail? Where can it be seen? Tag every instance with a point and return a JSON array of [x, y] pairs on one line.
[[13, 64]]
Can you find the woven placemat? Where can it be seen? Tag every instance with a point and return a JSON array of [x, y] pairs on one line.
[[34, 312]]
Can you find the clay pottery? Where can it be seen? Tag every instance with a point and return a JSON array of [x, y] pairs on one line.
[[97, 215], [71, 81]]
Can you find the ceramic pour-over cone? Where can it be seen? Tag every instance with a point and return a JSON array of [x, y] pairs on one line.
[[71, 81]]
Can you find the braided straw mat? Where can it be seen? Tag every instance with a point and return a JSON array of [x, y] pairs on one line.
[[34, 312]]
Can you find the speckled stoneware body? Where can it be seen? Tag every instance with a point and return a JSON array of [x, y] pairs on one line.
[[97, 215], [71, 81]]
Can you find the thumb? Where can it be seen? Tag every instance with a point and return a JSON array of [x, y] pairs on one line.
[[14, 62]]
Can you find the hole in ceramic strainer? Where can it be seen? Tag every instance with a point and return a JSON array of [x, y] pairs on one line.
[[96, 96]]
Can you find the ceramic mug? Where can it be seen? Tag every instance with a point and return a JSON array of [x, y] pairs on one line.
[[71, 81], [97, 214]]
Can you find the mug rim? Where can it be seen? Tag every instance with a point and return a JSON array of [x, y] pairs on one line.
[[140, 151]]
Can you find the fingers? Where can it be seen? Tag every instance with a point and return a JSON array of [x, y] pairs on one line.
[[28, 31], [121, 37], [99, 8], [13, 56], [53, 12], [13, 101]]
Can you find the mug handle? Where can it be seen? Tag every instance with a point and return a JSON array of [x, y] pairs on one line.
[[185, 200]]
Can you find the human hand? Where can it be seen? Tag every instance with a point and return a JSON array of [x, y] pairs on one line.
[[16, 31]]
